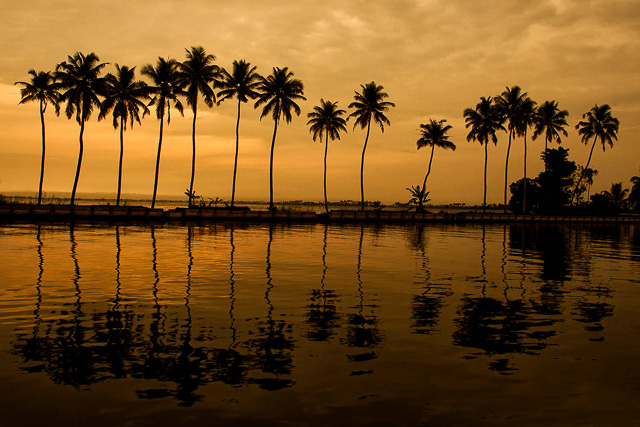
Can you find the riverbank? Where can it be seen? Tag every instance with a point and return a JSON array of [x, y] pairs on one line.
[[53, 212]]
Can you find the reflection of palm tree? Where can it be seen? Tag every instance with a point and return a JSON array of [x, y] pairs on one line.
[[80, 77], [325, 120], [434, 134], [598, 123], [43, 89], [165, 90], [369, 104], [241, 83], [484, 122], [123, 96], [279, 92], [232, 289], [195, 74]]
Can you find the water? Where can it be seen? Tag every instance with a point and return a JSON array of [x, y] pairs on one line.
[[432, 325]]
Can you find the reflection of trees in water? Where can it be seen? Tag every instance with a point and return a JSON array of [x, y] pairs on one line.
[[592, 307], [322, 315]]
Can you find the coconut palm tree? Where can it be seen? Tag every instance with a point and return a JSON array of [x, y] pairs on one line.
[[589, 174], [598, 123], [195, 75], [326, 120], [634, 195], [44, 89], [551, 121], [617, 196], [242, 84], [164, 90], [369, 104], [434, 134], [124, 96], [79, 77], [278, 92], [527, 120], [484, 121]]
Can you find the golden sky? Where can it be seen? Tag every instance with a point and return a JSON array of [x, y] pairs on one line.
[[434, 58]]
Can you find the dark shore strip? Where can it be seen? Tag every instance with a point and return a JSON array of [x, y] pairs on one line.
[[139, 213]]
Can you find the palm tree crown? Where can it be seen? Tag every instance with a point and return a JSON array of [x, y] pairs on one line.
[[434, 134], [326, 120], [551, 121]]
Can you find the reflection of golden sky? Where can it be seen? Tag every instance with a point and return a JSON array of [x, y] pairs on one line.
[[434, 58]]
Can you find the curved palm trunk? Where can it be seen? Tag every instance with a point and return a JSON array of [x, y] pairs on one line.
[[326, 148], [524, 191], [506, 171], [273, 144], [235, 163], [155, 183], [484, 197], [120, 163], [424, 184], [75, 182], [366, 139], [193, 155], [575, 190], [43, 151]]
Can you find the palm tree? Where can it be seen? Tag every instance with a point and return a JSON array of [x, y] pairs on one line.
[[528, 114], [598, 123], [165, 91], [241, 83], [434, 134], [196, 74], [617, 196], [484, 121], [326, 120], [44, 89], [124, 96], [550, 120], [368, 104], [634, 196], [279, 92], [80, 77], [589, 174]]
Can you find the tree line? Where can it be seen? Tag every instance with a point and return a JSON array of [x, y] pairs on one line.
[[77, 84]]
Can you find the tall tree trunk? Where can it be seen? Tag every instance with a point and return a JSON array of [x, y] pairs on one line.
[[366, 139], [575, 190], [273, 144], [484, 197], [155, 183], [524, 192], [75, 182], [193, 155], [120, 163], [235, 162], [506, 171], [43, 151], [326, 148], [424, 184]]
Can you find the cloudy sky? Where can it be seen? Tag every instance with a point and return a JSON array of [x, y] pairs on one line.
[[434, 58]]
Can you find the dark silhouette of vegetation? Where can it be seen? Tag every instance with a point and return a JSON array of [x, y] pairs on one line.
[[326, 120], [484, 121], [434, 134], [419, 197], [509, 103], [124, 96], [79, 78], [195, 75], [278, 92], [550, 121], [242, 83], [369, 104], [165, 90], [43, 89], [517, 190], [598, 124], [634, 195]]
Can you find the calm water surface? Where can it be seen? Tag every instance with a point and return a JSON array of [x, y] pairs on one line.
[[433, 325]]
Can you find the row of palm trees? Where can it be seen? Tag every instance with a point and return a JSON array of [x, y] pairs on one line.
[[78, 82]]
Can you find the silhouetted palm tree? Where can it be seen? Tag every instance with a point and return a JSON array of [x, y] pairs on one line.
[[617, 196], [634, 195], [242, 84], [44, 89], [79, 77], [551, 121], [124, 96], [434, 134], [195, 75], [589, 173], [484, 121], [165, 90], [279, 92], [369, 104], [326, 120], [598, 123]]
